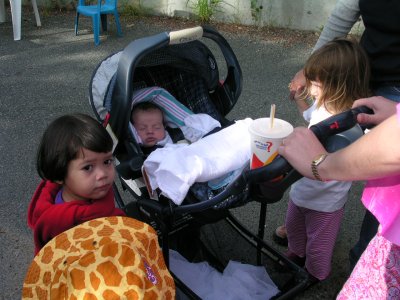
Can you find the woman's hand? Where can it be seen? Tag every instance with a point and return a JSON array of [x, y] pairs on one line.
[[374, 155], [300, 148], [383, 108]]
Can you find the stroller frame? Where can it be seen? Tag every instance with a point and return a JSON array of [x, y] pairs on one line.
[[256, 184]]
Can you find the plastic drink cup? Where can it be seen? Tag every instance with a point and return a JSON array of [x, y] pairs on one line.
[[265, 140]]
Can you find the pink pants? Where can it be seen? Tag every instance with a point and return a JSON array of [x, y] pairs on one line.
[[312, 234]]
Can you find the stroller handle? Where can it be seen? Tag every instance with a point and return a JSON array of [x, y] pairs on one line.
[[338, 123], [279, 166], [138, 49], [322, 130]]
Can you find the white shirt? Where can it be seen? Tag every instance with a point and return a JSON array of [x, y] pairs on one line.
[[316, 195]]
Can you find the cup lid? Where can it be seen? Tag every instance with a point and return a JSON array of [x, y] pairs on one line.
[[261, 127]]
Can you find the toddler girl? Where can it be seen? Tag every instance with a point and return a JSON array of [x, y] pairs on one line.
[[336, 75], [75, 161]]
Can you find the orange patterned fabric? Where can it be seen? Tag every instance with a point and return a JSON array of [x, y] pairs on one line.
[[106, 258]]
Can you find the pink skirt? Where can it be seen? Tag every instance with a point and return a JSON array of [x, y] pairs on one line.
[[377, 273]]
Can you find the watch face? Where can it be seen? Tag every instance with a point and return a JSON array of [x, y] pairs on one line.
[[319, 159]]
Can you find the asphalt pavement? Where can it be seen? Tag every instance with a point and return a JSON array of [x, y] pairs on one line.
[[47, 74]]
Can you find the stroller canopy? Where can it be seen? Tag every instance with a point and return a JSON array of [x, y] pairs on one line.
[[187, 70]]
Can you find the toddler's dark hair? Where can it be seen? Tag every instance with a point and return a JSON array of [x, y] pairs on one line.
[[62, 141]]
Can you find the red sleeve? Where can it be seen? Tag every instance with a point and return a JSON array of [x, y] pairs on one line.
[[42, 199]]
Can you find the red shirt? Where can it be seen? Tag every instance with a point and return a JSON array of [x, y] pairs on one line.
[[48, 219]]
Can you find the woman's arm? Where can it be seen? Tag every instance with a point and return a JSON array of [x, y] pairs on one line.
[[375, 155], [342, 19]]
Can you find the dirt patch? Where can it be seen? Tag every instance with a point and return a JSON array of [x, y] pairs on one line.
[[283, 36], [276, 35]]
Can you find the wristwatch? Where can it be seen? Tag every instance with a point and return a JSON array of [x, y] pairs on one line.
[[315, 163]]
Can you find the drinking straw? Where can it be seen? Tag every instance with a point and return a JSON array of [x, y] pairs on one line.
[[272, 116]]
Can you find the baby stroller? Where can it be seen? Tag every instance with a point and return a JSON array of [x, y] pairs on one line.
[[183, 65]]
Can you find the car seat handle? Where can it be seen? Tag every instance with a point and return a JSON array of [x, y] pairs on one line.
[[185, 35]]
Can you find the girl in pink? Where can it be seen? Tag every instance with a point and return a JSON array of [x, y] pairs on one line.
[[377, 273]]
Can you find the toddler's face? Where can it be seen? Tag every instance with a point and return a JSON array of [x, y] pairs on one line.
[[149, 126], [90, 176]]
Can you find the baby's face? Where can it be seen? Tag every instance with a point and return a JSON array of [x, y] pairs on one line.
[[149, 125]]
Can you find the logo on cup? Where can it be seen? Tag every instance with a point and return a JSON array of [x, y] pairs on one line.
[[263, 146]]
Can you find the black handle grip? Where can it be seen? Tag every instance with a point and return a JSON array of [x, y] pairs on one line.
[[338, 123]]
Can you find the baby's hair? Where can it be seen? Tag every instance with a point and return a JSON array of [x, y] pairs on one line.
[[62, 141], [342, 68], [145, 106]]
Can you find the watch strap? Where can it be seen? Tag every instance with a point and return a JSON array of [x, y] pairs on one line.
[[314, 165]]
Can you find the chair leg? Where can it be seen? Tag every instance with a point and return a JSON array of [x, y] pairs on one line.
[[117, 23], [2, 12], [16, 18], [37, 17], [96, 29], [103, 18], [76, 23]]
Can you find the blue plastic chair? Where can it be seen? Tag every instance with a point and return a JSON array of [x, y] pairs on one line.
[[98, 12]]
